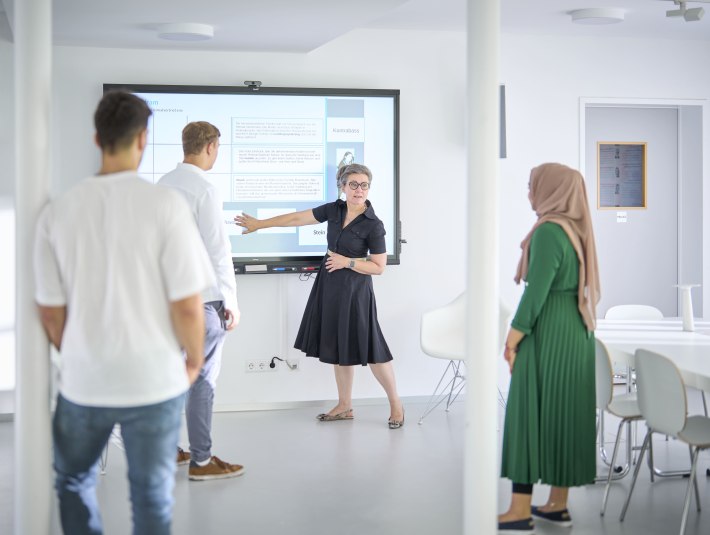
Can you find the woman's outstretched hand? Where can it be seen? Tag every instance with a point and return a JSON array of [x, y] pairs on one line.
[[249, 223]]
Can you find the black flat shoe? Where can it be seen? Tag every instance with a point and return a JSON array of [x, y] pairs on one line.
[[559, 518], [516, 526]]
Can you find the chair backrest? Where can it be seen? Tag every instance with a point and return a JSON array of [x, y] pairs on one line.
[[443, 330], [661, 392], [604, 375], [633, 312]]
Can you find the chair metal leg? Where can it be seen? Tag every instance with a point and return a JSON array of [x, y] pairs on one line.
[[103, 459], [449, 391], [651, 468], [611, 466], [457, 374], [686, 505], [662, 473], [618, 472], [694, 478], [114, 437], [705, 403], [600, 414], [636, 473], [602, 451]]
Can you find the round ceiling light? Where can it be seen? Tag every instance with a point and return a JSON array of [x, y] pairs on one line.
[[597, 15], [185, 31]]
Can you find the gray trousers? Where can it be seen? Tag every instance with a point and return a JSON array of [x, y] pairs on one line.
[[200, 397]]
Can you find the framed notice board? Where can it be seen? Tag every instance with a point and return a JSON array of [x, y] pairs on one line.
[[621, 174]]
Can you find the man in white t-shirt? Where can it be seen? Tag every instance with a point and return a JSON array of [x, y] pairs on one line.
[[119, 269], [200, 143]]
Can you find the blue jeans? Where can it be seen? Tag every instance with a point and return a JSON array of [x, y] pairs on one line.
[[150, 436]]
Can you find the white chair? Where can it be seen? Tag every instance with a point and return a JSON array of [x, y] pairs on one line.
[[630, 312], [443, 336], [624, 406], [642, 312], [633, 312], [664, 405]]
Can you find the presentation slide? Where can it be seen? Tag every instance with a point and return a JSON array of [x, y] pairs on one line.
[[278, 154]]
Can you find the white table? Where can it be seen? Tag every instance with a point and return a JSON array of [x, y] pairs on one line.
[[690, 351]]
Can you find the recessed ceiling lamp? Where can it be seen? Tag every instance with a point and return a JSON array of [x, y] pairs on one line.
[[185, 31], [690, 15], [598, 15]]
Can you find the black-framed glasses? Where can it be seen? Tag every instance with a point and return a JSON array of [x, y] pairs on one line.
[[364, 186]]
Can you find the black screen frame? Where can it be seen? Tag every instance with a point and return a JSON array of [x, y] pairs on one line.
[[291, 264]]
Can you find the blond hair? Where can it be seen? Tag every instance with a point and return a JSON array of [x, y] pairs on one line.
[[197, 135]]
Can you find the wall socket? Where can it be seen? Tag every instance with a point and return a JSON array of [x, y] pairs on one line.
[[259, 365], [263, 365]]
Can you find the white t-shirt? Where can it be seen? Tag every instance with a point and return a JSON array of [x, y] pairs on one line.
[[204, 201], [116, 250]]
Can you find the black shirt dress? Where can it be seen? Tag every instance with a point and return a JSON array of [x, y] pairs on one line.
[[339, 325]]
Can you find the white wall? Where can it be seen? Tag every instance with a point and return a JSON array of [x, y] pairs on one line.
[[7, 120], [544, 77], [691, 156], [7, 229]]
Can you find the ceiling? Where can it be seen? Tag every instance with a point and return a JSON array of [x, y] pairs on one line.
[[303, 25]]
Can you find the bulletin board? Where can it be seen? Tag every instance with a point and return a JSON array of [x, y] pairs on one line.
[[621, 175]]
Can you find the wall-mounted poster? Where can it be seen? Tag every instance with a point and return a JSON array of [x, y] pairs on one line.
[[621, 174]]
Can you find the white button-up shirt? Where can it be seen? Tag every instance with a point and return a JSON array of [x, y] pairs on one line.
[[204, 201]]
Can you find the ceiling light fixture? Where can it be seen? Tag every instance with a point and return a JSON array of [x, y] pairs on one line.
[[693, 14], [185, 31], [597, 15]]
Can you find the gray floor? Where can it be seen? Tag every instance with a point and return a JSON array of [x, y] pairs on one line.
[[309, 478]]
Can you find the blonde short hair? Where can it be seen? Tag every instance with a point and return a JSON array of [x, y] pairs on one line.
[[197, 135]]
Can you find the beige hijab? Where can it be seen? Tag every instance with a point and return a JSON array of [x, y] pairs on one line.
[[558, 195]]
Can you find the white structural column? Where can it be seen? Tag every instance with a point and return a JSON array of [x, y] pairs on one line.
[[33, 469], [481, 458]]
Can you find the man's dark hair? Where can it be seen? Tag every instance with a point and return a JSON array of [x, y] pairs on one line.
[[119, 118]]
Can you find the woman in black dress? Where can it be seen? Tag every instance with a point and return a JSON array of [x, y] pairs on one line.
[[339, 325]]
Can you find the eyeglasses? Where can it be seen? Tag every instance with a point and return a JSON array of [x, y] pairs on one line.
[[364, 186]]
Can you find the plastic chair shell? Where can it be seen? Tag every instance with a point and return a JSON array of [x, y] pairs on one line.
[[633, 312]]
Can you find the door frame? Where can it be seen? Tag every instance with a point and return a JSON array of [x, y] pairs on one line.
[[673, 103]]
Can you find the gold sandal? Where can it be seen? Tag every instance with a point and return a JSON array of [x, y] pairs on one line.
[[345, 415]]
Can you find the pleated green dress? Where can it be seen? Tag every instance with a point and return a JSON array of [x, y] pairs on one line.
[[550, 421]]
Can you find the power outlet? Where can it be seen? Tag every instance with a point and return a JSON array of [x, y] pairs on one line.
[[259, 365]]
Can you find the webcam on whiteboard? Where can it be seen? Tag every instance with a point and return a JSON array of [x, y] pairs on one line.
[[254, 85]]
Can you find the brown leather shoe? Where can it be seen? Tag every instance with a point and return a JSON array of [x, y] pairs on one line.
[[183, 457], [215, 469]]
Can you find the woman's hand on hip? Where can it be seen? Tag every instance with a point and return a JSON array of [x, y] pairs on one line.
[[336, 261]]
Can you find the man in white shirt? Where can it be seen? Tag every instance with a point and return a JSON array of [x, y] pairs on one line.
[[119, 269], [200, 143]]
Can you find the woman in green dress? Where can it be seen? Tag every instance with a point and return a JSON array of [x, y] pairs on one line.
[[549, 434]]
